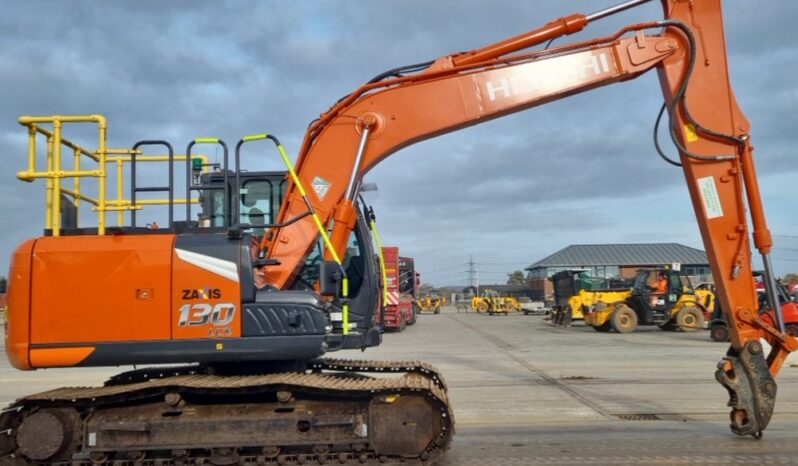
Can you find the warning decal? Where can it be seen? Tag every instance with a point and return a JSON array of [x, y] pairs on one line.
[[709, 194], [320, 186], [689, 133]]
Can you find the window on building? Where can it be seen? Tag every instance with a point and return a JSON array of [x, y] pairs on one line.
[[603, 271], [539, 272], [696, 270]]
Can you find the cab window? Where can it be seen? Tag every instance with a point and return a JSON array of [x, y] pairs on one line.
[[309, 275], [684, 281], [256, 204], [353, 262]]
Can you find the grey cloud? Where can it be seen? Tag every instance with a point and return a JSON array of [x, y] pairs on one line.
[[514, 188]]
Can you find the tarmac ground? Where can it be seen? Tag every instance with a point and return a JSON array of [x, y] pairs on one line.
[[525, 393]]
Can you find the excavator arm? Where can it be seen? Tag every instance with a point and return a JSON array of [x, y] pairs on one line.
[[687, 49]]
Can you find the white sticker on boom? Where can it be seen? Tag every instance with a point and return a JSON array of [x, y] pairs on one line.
[[709, 194], [321, 186]]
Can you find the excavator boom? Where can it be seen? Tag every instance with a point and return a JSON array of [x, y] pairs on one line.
[[687, 49]]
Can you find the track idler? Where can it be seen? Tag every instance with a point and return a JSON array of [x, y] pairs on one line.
[[752, 390]]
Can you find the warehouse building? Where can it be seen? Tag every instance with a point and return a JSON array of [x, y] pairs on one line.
[[616, 261]]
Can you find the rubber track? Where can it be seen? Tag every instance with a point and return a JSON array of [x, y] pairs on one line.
[[421, 378]]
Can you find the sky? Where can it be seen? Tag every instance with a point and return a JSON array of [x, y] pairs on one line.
[[506, 193]]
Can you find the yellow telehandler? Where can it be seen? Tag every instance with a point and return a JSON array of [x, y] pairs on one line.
[[676, 306]]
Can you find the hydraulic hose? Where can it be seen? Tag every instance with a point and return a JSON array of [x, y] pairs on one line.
[[656, 139], [397, 72], [679, 100]]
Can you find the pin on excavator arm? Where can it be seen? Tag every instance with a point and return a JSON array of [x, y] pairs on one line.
[[687, 49]]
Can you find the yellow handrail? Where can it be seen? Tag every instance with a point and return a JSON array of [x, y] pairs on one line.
[[54, 172]]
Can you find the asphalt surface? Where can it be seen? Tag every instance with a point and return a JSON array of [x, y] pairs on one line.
[[527, 393]]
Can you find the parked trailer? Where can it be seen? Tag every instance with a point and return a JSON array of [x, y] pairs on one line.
[[402, 287]]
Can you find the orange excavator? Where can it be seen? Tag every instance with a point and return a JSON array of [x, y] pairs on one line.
[[246, 322]]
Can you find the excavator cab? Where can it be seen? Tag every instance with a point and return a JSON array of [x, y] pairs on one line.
[[261, 194], [260, 199], [184, 291]]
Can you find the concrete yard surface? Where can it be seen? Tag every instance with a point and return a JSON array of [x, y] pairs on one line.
[[525, 392]]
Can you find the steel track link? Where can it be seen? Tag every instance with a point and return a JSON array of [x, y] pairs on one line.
[[418, 378], [329, 364], [143, 375], [381, 366]]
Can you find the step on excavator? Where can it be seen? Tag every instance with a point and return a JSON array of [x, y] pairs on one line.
[[229, 307]]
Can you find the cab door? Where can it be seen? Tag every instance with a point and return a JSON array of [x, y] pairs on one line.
[[677, 286]]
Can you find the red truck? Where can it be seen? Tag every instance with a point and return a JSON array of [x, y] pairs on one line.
[[402, 284]]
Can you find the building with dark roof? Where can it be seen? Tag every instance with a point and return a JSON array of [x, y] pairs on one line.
[[616, 261]]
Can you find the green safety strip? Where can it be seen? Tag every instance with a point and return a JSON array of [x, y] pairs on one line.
[[316, 219], [382, 263], [288, 164], [206, 140], [345, 293], [255, 137]]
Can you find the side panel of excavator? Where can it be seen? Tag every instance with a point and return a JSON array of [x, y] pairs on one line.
[[88, 289], [149, 299], [206, 295], [17, 329]]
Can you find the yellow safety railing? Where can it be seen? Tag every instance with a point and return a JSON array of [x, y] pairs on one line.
[[51, 128], [54, 172]]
